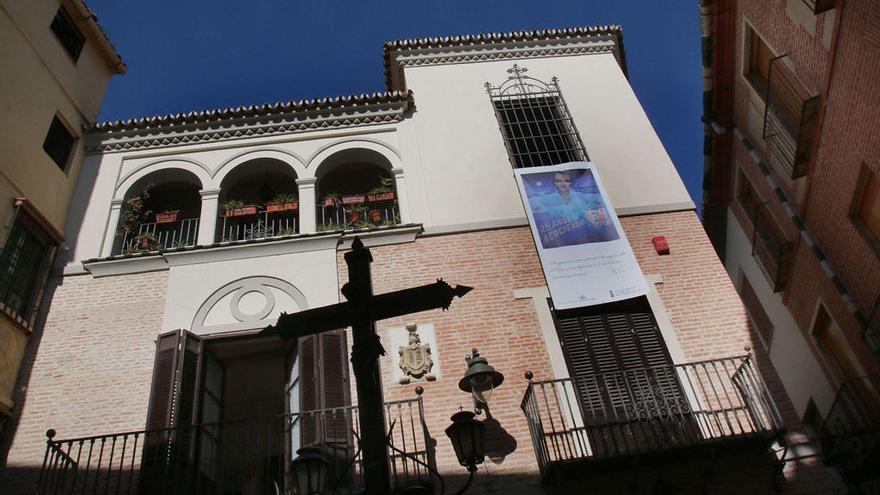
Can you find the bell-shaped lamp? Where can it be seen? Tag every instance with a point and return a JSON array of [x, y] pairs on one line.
[[468, 437], [480, 379], [309, 471]]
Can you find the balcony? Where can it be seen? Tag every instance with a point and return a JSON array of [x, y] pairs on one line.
[[250, 456], [819, 6], [357, 216], [590, 422], [851, 433], [156, 236], [789, 120], [770, 248], [250, 222]]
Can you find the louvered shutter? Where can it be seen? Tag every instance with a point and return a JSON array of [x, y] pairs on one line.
[[170, 446], [309, 373], [324, 385]]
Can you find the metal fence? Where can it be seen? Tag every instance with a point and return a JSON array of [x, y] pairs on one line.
[[161, 236], [851, 432], [789, 118], [248, 456], [647, 410], [260, 225], [347, 217]]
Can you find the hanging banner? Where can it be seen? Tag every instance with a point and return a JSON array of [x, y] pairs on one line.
[[583, 249]]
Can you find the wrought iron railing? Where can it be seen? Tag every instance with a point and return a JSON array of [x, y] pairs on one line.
[[260, 225], [161, 236], [789, 119], [647, 410], [819, 6], [851, 433], [348, 217], [248, 456], [770, 248]]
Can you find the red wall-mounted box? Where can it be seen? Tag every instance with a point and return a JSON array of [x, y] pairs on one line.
[[660, 244]]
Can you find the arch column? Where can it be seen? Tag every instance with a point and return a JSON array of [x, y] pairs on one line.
[[307, 205], [112, 225], [208, 217], [403, 199]]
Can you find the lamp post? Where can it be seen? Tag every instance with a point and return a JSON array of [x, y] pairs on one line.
[[480, 380], [468, 437], [309, 471]]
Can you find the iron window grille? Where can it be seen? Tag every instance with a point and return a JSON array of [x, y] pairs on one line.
[[770, 248], [24, 266], [534, 120], [68, 33]]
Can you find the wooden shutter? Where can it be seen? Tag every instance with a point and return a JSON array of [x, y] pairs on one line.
[[169, 447], [324, 384]]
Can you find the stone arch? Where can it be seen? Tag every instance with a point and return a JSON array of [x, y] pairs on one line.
[[199, 170], [274, 295], [291, 159], [327, 156]]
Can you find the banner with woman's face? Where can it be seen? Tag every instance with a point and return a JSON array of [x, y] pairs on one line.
[[583, 249]]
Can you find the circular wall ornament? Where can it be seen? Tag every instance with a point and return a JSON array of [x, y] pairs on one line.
[[251, 288]]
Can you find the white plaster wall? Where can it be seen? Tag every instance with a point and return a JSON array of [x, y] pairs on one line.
[[313, 273], [789, 352], [461, 154]]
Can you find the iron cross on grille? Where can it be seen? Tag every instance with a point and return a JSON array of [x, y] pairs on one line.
[[361, 311]]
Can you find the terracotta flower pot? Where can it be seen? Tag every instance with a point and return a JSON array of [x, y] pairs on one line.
[[381, 197], [376, 216], [353, 199], [274, 207], [329, 202], [169, 217], [241, 212], [354, 216]]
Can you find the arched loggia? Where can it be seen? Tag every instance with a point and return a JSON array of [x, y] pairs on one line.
[[258, 199]]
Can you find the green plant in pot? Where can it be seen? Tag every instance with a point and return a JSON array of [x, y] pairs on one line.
[[135, 213], [146, 242], [356, 213], [384, 191], [331, 200], [282, 202], [237, 208]]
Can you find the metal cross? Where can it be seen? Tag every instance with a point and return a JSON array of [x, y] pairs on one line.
[[361, 312]]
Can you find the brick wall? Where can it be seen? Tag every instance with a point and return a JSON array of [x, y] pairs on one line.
[[91, 372]]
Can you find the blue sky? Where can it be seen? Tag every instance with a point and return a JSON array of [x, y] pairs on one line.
[[202, 54]]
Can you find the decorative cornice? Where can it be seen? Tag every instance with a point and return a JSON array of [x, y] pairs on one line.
[[252, 121], [307, 181], [499, 46]]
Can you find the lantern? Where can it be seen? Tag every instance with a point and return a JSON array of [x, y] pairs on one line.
[[309, 471], [468, 437], [480, 379]]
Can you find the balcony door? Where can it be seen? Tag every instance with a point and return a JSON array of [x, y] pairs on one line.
[[630, 396]]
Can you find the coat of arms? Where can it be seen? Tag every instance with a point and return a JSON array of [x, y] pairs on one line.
[[415, 358]]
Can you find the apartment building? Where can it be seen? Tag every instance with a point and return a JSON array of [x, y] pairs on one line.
[[198, 230], [792, 202], [57, 64]]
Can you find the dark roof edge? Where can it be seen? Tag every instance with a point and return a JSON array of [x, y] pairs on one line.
[[106, 46], [282, 107], [492, 38]]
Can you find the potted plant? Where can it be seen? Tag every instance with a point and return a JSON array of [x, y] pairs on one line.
[[376, 215], [356, 213], [330, 227], [237, 208], [168, 216], [353, 199], [146, 242], [282, 202], [331, 200], [383, 192], [135, 213]]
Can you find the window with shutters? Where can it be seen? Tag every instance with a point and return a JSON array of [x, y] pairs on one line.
[[535, 122], [24, 265], [756, 312], [622, 369], [59, 143], [865, 210]]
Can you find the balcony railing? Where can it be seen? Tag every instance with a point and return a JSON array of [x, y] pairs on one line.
[[770, 248], [819, 6], [260, 225], [248, 456], [161, 236], [789, 120], [851, 433], [345, 217], [649, 410]]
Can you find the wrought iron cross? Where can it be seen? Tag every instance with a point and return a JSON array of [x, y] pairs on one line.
[[361, 312]]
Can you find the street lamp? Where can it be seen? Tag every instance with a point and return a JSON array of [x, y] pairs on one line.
[[309, 471], [468, 437], [480, 380]]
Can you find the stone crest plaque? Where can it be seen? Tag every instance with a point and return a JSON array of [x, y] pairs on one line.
[[415, 358]]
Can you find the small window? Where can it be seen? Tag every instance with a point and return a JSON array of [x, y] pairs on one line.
[[756, 312], [23, 264], [866, 204], [758, 69], [834, 348], [59, 142], [68, 34], [746, 195], [537, 132]]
